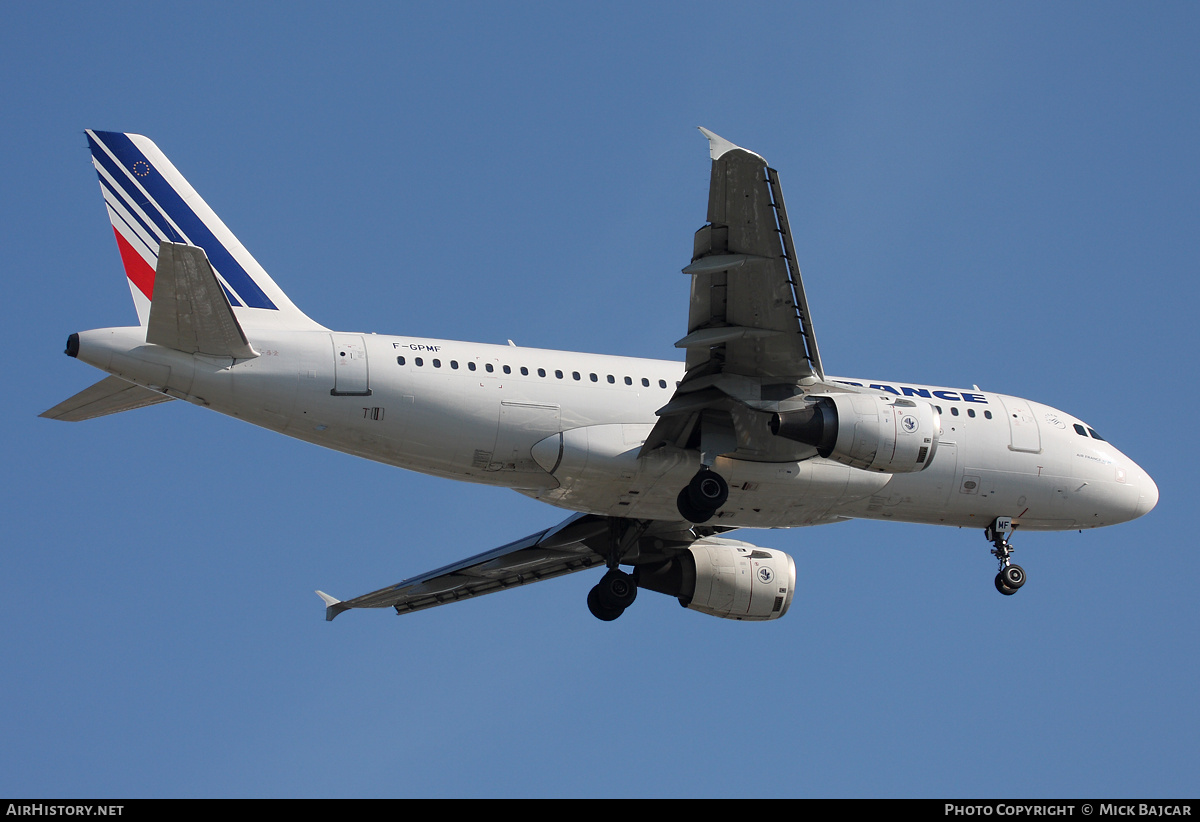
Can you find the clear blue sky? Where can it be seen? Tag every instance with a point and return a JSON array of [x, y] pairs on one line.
[[1001, 194]]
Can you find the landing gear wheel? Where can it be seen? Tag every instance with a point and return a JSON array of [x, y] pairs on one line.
[[708, 490], [703, 496], [690, 512], [599, 608], [1001, 587], [617, 589], [1013, 576]]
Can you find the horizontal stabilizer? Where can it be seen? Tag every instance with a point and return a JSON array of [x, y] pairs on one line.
[[109, 396], [189, 311]]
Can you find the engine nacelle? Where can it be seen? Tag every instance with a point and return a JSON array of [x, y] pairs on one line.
[[891, 435], [726, 578]]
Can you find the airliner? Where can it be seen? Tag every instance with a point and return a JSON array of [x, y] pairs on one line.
[[657, 461]]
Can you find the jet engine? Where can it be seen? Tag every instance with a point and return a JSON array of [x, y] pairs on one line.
[[725, 578], [893, 436]]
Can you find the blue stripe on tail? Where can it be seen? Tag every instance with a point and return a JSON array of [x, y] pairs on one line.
[[133, 161]]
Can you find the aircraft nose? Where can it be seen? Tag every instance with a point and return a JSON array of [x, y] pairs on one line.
[[1148, 497]]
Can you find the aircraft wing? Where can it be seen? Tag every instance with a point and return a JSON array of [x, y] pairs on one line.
[[750, 334], [580, 542], [748, 311]]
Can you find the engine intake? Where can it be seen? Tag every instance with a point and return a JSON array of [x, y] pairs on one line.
[[893, 436], [726, 578]]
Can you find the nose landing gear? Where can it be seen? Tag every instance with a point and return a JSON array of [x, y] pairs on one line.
[[1011, 576]]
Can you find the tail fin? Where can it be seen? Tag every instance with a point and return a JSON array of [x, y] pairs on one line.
[[149, 202]]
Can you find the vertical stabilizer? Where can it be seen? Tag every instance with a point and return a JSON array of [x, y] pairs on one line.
[[150, 202]]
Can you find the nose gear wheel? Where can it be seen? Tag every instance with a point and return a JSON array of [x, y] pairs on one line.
[[1010, 576]]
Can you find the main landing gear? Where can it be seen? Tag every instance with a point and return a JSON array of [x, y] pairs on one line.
[[615, 592], [703, 496], [1010, 577]]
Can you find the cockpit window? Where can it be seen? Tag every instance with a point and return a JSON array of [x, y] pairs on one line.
[[1096, 436], [1080, 430]]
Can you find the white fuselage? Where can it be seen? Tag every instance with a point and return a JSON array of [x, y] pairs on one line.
[[567, 428]]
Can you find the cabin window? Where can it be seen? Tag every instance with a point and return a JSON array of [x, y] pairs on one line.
[[629, 380], [662, 383], [558, 374], [541, 372], [524, 371], [437, 363], [970, 412], [488, 367], [470, 366], [400, 361], [575, 375], [454, 364], [645, 382], [954, 410], [987, 414], [418, 361], [594, 378], [507, 370]]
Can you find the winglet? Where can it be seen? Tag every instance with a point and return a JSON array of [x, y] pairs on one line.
[[718, 146], [333, 606]]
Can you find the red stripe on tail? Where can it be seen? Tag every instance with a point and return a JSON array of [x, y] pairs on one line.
[[136, 269]]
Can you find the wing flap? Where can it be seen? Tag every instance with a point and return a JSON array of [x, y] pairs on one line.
[[109, 396]]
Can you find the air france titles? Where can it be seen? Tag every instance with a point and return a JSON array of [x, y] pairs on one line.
[[924, 393]]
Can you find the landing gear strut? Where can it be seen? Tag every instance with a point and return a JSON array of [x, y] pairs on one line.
[[1011, 576], [703, 496], [616, 590]]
